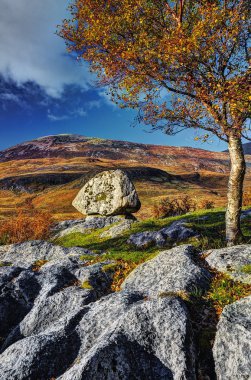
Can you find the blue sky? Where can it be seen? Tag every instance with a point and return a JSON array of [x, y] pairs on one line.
[[44, 91]]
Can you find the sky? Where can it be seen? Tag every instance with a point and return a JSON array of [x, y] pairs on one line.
[[44, 91]]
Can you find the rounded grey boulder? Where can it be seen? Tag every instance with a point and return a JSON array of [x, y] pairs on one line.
[[108, 193]]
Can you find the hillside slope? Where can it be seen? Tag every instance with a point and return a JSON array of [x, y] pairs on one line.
[[71, 146], [51, 170]]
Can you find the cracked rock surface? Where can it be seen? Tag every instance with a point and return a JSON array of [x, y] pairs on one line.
[[59, 319], [25, 254], [232, 347], [172, 270]]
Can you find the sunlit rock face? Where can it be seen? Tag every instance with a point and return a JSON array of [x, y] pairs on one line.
[[232, 346], [108, 193]]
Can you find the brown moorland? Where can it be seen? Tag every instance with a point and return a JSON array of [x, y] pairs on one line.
[[50, 171]]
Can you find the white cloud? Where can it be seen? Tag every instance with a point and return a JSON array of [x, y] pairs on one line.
[[77, 112], [8, 96], [30, 50], [93, 104], [53, 117], [107, 98]]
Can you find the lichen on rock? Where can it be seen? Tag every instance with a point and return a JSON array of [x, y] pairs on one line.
[[108, 193]]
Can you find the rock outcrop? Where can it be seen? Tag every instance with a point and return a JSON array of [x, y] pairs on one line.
[[26, 254], [59, 321], [46, 295], [119, 337], [232, 261], [176, 232], [90, 223], [108, 193], [173, 270], [232, 347], [136, 339]]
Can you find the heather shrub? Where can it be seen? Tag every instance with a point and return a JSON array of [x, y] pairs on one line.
[[180, 206], [28, 224], [206, 204], [246, 199]]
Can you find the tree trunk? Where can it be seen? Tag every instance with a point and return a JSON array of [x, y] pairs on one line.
[[235, 191]]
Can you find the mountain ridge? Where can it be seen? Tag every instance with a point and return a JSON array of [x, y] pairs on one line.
[[70, 145], [77, 137]]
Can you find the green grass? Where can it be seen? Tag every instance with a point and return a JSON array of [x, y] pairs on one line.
[[224, 291], [86, 285], [5, 264], [246, 269], [211, 230], [110, 267]]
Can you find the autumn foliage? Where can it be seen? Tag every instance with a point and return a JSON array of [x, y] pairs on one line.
[[166, 207], [195, 51], [28, 224], [182, 64]]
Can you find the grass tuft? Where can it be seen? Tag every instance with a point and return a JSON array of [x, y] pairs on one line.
[[86, 285], [224, 291], [246, 269]]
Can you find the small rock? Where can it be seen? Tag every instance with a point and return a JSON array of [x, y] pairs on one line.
[[245, 213], [108, 193], [118, 229], [232, 346], [146, 239], [84, 226], [231, 261], [177, 231], [173, 270]]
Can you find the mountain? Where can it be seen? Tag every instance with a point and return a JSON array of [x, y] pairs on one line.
[[70, 146], [50, 171], [247, 148]]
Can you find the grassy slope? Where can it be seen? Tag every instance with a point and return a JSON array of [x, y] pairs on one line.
[[211, 231]]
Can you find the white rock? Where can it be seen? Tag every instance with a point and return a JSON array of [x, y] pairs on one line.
[[232, 346], [108, 193]]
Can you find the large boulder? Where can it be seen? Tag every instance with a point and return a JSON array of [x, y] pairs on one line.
[[108, 193], [232, 347], [234, 261], [173, 270], [125, 337]]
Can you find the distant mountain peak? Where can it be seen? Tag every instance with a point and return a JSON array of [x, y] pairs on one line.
[[246, 148], [67, 146]]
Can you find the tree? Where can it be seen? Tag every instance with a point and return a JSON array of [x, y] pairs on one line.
[[182, 64]]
